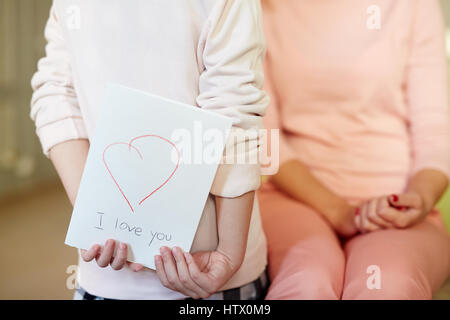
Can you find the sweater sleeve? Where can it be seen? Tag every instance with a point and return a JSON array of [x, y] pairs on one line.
[[231, 84], [54, 104], [427, 90]]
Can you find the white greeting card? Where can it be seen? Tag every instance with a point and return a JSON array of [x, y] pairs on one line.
[[148, 173]]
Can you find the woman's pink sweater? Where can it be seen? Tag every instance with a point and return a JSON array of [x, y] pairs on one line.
[[359, 89]]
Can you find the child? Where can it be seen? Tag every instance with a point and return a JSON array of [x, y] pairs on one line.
[[203, 52]]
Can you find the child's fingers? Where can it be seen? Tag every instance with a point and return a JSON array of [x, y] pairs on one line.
[[199, 278], [411, 200], [184, 275], [89, 255], [172, 272], [107, 253], [136, 267], [121, 257], [169, 266], [161, 273]]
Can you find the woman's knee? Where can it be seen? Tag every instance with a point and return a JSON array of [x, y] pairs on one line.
[[308, 284], [313, 269], [306, 260], [388, 285]]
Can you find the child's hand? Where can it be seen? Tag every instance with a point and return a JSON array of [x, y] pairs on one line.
[[198, 275], [105, 256], [395, 211]]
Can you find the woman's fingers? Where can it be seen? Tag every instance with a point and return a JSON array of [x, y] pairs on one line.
[[398, 218], [365, 224], [107, 253], [395, 211], [185, 276], [357, 219], [410, 200], [375, 218], [89, 255], [120, 258]]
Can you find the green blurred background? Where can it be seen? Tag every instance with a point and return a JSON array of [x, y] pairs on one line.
[[444, 206]]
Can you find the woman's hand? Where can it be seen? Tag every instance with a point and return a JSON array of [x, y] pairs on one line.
[[342, 219], [105, 256], [368, 216], [405, 210], [395, 211], [198, 275]]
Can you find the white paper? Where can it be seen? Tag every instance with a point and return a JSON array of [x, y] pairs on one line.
[[140, 186]]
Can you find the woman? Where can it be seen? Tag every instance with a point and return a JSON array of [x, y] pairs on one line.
[[359, 91]]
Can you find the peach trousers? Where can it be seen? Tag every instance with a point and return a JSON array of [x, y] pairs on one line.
[[308, 261]]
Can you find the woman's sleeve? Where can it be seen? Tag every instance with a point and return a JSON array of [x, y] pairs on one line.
[[272, 121], [427, 90], [231, 84], [54, 104]]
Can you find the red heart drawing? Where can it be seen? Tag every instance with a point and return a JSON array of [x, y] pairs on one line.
[[130, 146]]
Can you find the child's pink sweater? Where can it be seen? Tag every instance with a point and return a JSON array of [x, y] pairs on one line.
[[362, 108]]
